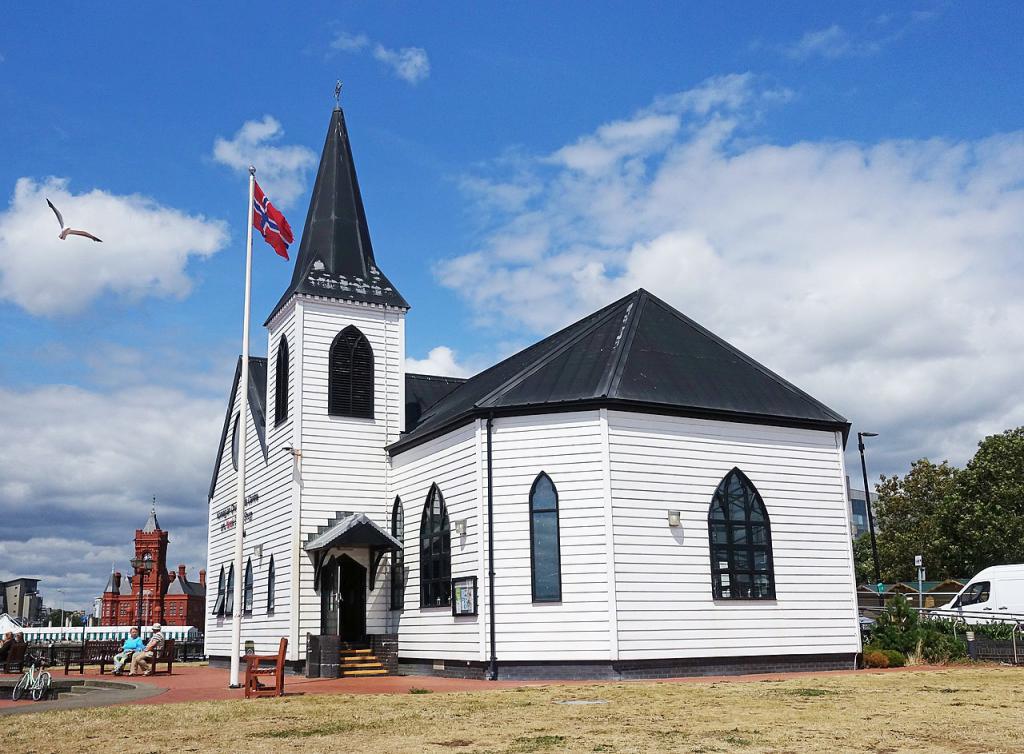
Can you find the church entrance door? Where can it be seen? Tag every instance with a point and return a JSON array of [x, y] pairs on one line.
[[343, 599]]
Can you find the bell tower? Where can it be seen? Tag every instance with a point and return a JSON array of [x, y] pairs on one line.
[[151, 545]]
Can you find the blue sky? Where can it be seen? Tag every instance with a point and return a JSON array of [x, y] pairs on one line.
[[837, 189]]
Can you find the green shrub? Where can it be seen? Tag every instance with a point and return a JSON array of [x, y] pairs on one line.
[[993, 630], [900, 629], [896, 659], [875, 658]]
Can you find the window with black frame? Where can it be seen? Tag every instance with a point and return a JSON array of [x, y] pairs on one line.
[[741, 542], [234, 443], [229, 593], [545, 557], [271, 586], [247, 588], [350, 375], [281, 383], [218, 605], [398, 557], [435, 552]]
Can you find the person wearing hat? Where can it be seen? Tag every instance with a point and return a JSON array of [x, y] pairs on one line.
[[140, 660]]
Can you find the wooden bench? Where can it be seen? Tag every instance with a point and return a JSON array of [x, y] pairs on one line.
[[92, 653], [265, 665], [15, 658], [165, 655]]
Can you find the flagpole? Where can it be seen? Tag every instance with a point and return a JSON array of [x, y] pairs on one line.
[[243, 412]]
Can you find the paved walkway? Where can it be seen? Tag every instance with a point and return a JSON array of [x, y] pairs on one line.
[[192, 683]]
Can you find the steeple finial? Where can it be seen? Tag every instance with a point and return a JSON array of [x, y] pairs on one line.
[[337, 95]]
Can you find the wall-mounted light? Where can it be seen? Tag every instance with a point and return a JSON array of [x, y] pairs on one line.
[[257, 552], [294, 451], [460, 527], [674, 519]]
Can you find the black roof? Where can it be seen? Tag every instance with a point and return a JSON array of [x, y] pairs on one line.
[[257, 406], [638, 353], [335, 258], [422, 391]]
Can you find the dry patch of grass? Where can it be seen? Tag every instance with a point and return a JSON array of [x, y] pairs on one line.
[[958, 710]]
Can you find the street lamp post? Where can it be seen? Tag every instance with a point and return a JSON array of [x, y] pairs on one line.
[[142, 566], [867, 504]]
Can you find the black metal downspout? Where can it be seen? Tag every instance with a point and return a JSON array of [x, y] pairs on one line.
[[492, 670]]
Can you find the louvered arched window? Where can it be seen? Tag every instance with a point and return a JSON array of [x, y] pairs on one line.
[[247, 588], [350, 375], [741, 541], [234, 443], [229, 593], [218, 605], [281, 382], [435, 552], [398, 557], [545, 557], [271, 586]]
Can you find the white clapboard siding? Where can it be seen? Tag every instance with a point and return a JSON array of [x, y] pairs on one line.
[[568, 447], [664, 606], [270, 527], [451, 463], [344, 462]]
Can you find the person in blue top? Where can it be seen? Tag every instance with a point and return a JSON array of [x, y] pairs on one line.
[[132, 645]]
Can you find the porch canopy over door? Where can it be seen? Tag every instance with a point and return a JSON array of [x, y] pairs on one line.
[[350, 530]]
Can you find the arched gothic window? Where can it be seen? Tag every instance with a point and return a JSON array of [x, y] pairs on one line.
[[398, 558], [545, 556], [234, 443], [350, 375], [247, 588], [281, 382], [229, 593], [218, 605], [741, 541], [435, 552], [271, 586]]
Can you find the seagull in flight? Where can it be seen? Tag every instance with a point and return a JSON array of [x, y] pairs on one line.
[[65, 231]]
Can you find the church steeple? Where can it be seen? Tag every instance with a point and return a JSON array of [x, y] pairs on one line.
[[335, 258], [152, 524]]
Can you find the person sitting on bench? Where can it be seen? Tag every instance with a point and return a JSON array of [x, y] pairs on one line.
[[5, 646], [140, 660], [132, 645]]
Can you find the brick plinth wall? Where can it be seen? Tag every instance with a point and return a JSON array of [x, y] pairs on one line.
[[385, 648], [632, 669]]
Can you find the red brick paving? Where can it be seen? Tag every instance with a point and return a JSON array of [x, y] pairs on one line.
[[193, 683]]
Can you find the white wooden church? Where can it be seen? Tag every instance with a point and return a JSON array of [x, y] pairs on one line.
[[629, 497]]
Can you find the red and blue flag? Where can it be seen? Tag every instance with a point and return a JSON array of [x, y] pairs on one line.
[[269, 221]]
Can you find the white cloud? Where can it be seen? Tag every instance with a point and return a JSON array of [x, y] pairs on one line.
[[281, 169], [145, 251], [441, 361], [410, 64], [883, 278], [831, 43], [77, 472]]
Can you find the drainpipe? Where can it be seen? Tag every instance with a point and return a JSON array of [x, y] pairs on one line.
[[492, 669]]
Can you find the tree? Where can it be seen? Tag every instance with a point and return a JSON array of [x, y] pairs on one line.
[[908, 510], [863, 564], [982, 522]]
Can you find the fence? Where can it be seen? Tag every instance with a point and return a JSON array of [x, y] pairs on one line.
[[47, 634], [965, 623]]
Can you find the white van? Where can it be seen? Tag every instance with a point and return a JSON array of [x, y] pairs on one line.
[[994, 594]]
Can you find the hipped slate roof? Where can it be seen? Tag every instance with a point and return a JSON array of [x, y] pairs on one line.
[[351, 529], [638, 353], [257, 406], [422, 391], [335, 258], [151, 523], [182, 585]]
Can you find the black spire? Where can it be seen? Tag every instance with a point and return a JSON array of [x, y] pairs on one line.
[[335, 256]]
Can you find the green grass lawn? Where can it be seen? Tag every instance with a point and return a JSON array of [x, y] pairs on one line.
[[969, 709]]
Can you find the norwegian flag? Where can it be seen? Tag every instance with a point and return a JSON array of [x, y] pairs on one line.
[[269, 221]]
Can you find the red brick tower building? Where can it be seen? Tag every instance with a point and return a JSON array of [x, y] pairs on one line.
[[168, 597]]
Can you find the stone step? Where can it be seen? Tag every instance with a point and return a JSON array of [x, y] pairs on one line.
[[357, 665], [380, 671], [349, 652]]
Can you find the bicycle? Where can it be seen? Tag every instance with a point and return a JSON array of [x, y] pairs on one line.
[[33, 682]]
